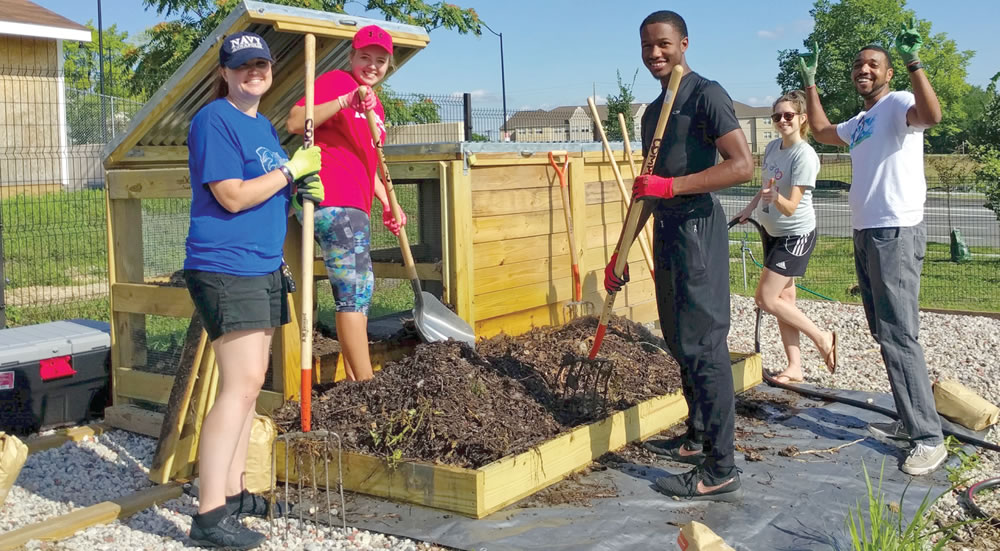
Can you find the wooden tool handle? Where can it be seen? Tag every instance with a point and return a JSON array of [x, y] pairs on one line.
[[404, 242], [308, 254]]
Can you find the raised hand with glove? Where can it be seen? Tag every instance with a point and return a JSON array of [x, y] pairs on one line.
[[304, 162], [908, 43], [613, 283], [309, 188], [807, 66], [649, 185], [389, 221], [355, 101]]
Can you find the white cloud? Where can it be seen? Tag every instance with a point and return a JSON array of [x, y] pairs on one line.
[[752, 100], [774, 34], [478, 95], [600, 100], [769, 99]]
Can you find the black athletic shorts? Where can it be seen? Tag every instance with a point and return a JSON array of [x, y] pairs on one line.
[[228, 303], [788, 255]]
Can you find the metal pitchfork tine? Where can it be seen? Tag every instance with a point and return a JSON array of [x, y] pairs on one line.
[[301, 441], [583, 378]]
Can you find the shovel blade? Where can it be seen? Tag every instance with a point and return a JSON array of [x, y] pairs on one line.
[[436, 323]]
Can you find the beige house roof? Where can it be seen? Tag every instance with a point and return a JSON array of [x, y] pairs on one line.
[[744, 111], [24, 18]]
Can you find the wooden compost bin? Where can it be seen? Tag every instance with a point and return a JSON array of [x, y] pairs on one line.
[[506, 268], [149, 162]]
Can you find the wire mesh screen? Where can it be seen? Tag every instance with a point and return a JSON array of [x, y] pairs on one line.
[[945, 283], [51, 216], [159, 341], [164, 230]]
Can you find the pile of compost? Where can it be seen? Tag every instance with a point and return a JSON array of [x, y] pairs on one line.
[[447, 403]]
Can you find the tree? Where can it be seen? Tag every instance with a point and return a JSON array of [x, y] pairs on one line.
[[171, 42], [398, 110], [986, 151], [621, 103], [88, 119], [843, 28]]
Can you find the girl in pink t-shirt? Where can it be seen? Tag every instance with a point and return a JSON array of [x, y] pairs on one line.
[[350, 178]]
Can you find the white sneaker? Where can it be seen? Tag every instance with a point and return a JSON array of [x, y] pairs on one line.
[[924, 459]]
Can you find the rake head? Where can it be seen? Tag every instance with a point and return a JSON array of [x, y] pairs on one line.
[[583, 384], [578, 309], [310, 449]]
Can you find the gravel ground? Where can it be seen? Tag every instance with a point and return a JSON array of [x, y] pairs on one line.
[[79, 474], [963, 348]]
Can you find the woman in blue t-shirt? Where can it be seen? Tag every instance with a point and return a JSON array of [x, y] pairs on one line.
[[240, 179], [789, 169]]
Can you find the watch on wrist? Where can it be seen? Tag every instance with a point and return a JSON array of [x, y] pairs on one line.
[[913, 67], [288, 173]]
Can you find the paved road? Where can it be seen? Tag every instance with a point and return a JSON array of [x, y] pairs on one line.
[[979, 225]]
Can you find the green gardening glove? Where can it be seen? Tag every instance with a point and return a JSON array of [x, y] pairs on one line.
[[908, 43], [304, 162], [309, 188], [807, 66]]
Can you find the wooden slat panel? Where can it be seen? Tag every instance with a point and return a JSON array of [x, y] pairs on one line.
[[603, 192], [606, 213], [134, 419], [439, 486], [461, 232], [155, 388], [513, 177], [140, 298], [513, 226], [497, 303], [127, 251], [513, 275], [61, 436], [513, 201], [151, 156], [512, 251], [516, 323], [412, 171], [156, 183]]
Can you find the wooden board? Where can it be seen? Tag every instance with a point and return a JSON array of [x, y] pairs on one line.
[[61, 436], [134, 419], [513, 177], [105, 512], [479, 492], [153, 183], [159, 300]]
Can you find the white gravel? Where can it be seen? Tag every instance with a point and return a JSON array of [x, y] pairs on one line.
[[114, 464], [959, 347]]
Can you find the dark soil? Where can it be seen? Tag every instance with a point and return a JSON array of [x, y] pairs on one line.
[[451, 404]]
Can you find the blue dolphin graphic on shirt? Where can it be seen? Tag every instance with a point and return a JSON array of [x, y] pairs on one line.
[[270, 160]]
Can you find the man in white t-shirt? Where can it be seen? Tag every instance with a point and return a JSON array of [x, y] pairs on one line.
[[887, 212]]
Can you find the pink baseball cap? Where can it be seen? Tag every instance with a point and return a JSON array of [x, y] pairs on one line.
[[373, 35]]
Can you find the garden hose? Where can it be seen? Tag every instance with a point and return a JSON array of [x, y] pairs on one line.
[[829, 396], [969, 495]]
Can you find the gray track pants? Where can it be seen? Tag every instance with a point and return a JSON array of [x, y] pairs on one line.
[[888, 262]]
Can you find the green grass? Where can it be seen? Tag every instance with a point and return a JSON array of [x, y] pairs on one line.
[[842, 171], [944, 284]]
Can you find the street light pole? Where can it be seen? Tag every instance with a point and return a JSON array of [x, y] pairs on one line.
[[100, 58], [503, 82]]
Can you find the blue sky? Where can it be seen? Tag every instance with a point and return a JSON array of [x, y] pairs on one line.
[[557, 51]]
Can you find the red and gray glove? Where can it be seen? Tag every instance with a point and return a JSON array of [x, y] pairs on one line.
[[613, 283], [649, 185], [389, 221], [356, 102]]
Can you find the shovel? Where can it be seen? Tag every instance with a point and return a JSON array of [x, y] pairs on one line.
[[434, 321]]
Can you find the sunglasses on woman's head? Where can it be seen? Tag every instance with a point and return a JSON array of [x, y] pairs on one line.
[[787, 115]]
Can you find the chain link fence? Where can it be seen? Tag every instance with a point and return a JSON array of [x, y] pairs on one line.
[[52, 218]]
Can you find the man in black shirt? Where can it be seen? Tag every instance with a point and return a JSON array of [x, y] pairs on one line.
[[691, 252]]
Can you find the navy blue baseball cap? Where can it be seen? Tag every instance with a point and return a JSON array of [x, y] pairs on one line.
[[239, 48]]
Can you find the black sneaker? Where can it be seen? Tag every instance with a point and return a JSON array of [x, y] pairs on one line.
[[229, 533], [685, 486], [246, 503], [670, 449]]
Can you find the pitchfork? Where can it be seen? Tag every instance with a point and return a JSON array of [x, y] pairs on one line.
[[316, 445], [576, 307]]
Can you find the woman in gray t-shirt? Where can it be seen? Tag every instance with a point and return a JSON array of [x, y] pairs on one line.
[[789, 171]]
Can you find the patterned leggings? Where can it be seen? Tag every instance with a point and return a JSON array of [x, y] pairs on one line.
[[344, 234]]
